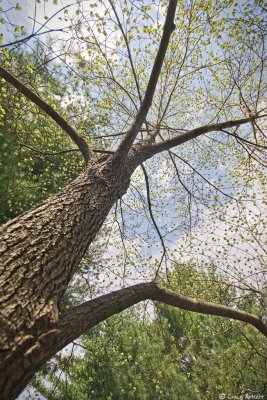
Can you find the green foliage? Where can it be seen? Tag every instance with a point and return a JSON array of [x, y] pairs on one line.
[[29, 138], [217, 352], [175, 354], [213, 71]]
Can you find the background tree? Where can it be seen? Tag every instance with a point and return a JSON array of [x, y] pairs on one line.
[[124, 66]]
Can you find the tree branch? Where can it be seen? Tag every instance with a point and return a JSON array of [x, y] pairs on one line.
[[31, 36], [56, 153], [245, 140], [48, 153], [149, 151], [169, 27], [77, 320], [73, 134], [151, 214], [203, 307], [128, 49]]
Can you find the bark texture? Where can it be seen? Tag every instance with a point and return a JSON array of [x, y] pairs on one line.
[[41, 250], [39, 253], [77, 320]]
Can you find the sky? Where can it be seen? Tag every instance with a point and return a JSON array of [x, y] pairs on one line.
[[46, 15], [202, 234], [32, 15]]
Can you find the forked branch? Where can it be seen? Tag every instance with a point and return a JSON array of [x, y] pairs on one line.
[[149, 151], [43, 105], [169, 27]]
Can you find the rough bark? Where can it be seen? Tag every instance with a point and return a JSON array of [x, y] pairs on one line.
[[41, 250], [77, 320], [39, 253]]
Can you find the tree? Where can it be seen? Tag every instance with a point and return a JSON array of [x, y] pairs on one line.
[[195, 355], [41, 249]]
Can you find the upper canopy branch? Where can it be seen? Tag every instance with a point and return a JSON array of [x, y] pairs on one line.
[[169, 27], [73, 134], [150, 150]]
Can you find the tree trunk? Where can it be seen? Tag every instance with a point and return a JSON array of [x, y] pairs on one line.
[[39, 253]]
